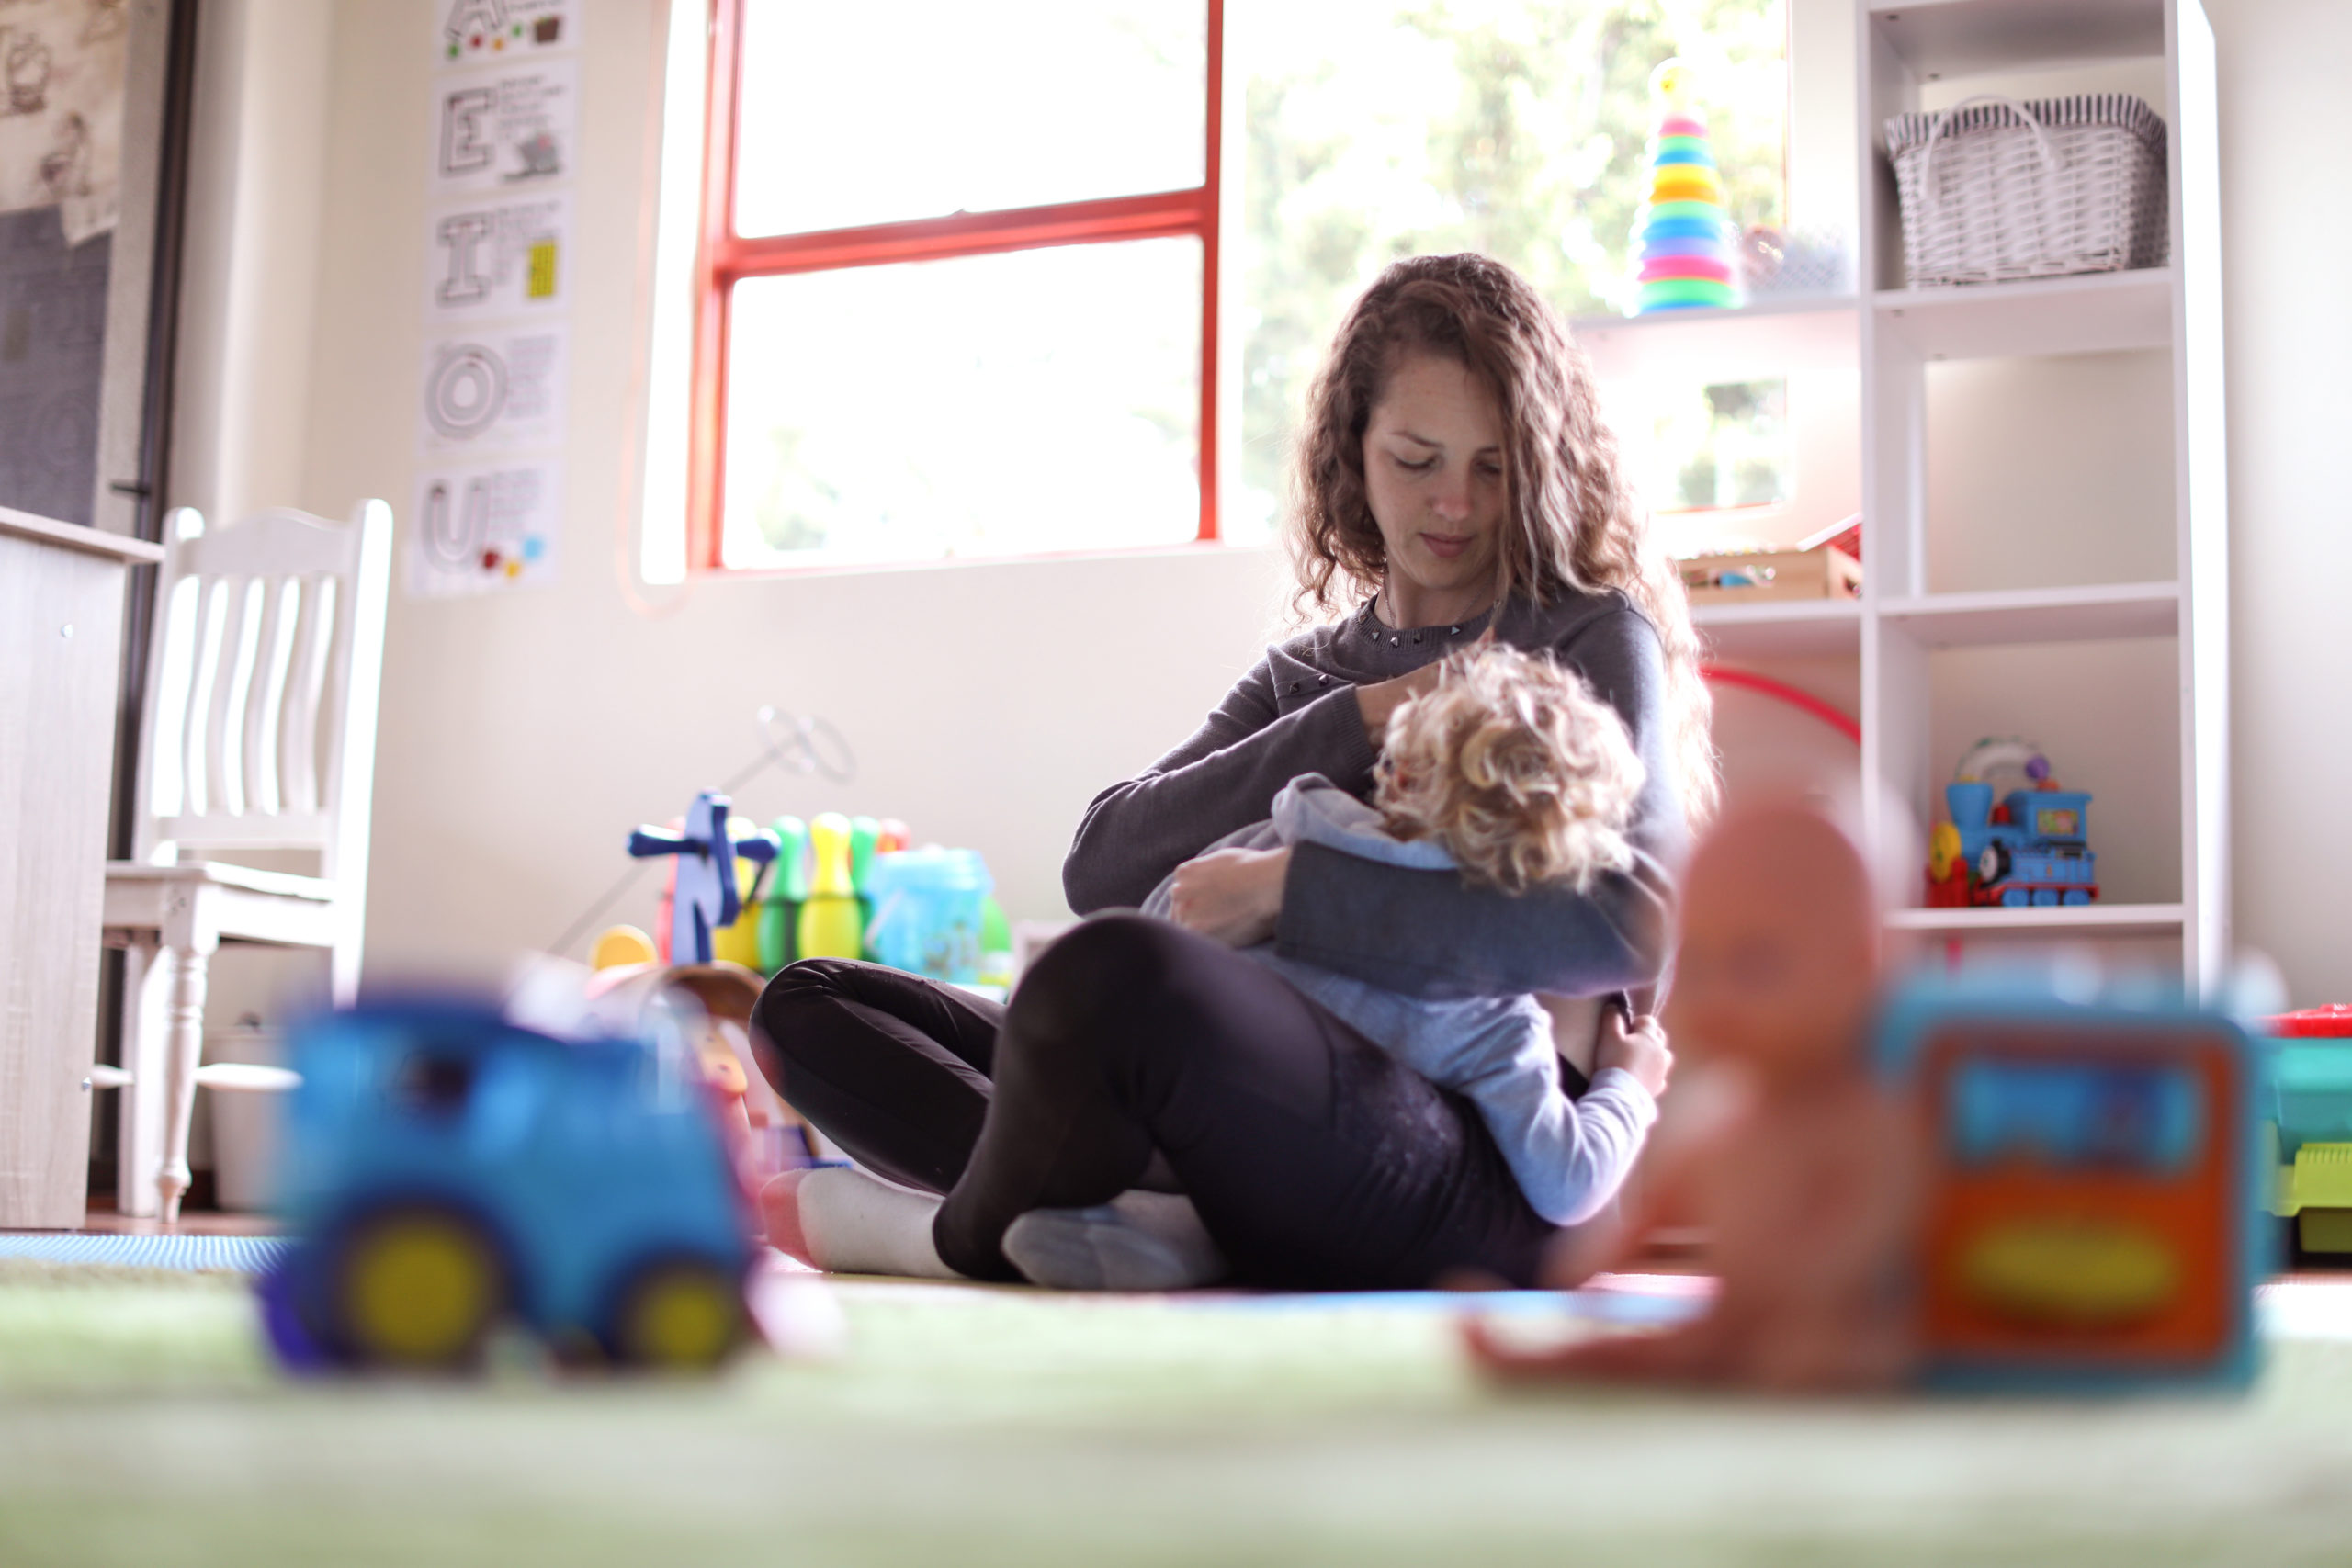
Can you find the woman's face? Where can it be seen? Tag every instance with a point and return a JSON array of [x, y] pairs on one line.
[[1433, 472]]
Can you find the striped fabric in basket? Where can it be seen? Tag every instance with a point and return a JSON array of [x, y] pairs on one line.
[[1994, 190]]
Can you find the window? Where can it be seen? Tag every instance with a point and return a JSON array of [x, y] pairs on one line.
[[957, 290], [958, 284]]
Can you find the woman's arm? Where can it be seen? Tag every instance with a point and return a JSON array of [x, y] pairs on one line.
[[1428, 933], [1259, 739]]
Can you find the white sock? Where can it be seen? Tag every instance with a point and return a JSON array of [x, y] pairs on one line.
[[856, 1225], [1139, 1241]]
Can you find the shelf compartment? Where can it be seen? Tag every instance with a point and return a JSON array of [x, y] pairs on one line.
[[1937, 39], [1771, 338], [2102, 613], [2100, 312], [1784, 628], [2111, 919]]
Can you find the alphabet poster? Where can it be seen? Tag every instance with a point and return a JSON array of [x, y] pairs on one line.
[[507, 256], [483, 528], [476, 30], [495, 390], [500, 250], [505, 129]]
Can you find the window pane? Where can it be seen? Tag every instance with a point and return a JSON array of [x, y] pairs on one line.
[[1713, 449], [1517, 128], [989, 405], [863, 114]]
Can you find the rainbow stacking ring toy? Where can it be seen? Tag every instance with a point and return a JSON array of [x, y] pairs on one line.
[[1684, 237]]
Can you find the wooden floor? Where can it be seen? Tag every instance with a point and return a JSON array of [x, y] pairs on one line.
[[103, 1220]]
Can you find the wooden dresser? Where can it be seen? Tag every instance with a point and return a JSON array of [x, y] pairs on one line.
[[61, 655]]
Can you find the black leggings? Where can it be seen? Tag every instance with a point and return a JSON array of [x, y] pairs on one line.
[[1315, 1159]]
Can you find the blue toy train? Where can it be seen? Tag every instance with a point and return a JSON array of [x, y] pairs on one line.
[[2031, 848], [446, 1171]]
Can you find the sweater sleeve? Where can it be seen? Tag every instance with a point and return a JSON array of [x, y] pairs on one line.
[[1431, 934], [1224, 777], [1570, 1156]]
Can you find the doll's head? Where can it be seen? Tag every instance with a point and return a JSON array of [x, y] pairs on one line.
[[1520, 772], [1779, 957]]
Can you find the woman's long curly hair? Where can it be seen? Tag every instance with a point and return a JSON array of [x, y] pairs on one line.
[[1575, 523]]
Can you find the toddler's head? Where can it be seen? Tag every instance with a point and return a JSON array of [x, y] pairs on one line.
[[1520, 771]]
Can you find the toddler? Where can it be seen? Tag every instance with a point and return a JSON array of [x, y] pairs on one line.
[[1511, 773]]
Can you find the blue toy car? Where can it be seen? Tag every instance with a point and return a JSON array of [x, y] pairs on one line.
[[446, 1170]]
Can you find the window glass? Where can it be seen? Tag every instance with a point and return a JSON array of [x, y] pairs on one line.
[[857, 114], [1715, 447], [1516, 128], [1043, 400]]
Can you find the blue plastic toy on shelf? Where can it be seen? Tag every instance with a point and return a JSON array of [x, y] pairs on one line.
[[446, 1170], [2032, 849]]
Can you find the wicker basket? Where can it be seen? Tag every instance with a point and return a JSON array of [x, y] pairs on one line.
[[1993, 189]]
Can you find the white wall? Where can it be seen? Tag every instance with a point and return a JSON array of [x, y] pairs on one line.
[[2285, 67], [248, 293], [523, 737]]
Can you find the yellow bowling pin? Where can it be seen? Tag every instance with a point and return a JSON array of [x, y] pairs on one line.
[[830, 924]]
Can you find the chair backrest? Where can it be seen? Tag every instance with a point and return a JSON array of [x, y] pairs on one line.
[[266, 658]]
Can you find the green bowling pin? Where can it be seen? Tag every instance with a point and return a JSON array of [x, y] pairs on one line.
[[787, 890]]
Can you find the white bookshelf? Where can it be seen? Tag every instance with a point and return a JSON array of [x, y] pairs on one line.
[[1924, 54]]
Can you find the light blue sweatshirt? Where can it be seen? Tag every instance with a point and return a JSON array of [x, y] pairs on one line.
[[1570, 1156]]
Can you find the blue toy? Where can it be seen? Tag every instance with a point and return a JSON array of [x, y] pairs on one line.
[[706, 886], [2096, 1188], [446, 1170], [2033, 850]]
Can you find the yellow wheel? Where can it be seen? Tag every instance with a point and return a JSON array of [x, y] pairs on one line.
[[417, 1288], [1943, 851], [682, 1315]]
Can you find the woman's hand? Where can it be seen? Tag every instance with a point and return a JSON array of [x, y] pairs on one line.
[[1381, 699], [1639, 1046], [1232, 895]]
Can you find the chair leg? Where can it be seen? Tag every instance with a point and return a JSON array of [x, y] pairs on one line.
[[139, 1118], [189, 972]]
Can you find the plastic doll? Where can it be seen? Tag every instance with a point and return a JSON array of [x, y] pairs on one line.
[[1806, 1176]]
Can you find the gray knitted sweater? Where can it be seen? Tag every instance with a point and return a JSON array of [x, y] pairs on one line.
[[1570, 1156], [1424, 933]]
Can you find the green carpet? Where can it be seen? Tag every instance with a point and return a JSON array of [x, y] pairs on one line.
[[140, 1424]]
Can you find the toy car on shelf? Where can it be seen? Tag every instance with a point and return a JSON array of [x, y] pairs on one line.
[[2031, 848], [446, 1170], [2311, 1122]]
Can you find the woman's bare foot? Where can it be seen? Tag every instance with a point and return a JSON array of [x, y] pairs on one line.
[[780, 1208]]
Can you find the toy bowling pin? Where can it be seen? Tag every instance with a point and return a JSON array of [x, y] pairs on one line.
[[787, 890], [830, 926]]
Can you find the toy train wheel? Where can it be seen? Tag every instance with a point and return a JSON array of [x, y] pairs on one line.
[[678, 1315], [1992, 863], [415, 1287]]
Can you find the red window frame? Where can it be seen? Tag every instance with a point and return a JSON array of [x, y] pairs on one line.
[[725, 258]]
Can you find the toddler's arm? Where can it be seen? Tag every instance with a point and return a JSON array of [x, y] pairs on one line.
[[1571, 1156]]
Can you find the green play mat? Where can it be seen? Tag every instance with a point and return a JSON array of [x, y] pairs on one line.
[[140, 1424]]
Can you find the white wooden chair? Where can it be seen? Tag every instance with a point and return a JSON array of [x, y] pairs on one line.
[[259, 735]]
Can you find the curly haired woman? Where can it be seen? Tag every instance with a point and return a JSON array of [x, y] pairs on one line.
[[1456, 481]]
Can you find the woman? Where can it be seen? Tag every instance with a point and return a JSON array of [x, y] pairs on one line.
[[1455, 474]]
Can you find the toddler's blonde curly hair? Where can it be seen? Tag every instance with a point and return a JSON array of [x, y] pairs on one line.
[[1516, 768]]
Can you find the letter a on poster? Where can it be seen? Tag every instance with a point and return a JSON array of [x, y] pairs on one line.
[[478, 32]]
